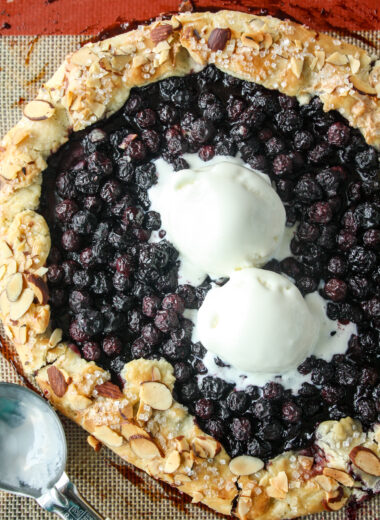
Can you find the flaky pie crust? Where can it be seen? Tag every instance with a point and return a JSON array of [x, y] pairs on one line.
[[142, 423]]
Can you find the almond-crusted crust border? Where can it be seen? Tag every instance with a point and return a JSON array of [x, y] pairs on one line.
[[143, 424]]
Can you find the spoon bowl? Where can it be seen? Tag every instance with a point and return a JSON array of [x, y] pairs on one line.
[[33, 454]]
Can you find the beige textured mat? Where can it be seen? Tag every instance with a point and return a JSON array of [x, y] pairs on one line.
[[115, 489]]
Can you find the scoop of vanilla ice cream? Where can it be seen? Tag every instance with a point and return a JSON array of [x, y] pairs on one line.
[[221, 217], [258, 322]]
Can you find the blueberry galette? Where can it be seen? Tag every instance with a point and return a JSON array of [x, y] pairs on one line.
[[190, 236]]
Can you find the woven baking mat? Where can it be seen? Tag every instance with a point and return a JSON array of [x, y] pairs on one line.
[[115, 489]]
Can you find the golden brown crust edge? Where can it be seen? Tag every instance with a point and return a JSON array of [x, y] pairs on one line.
[[90, 85]]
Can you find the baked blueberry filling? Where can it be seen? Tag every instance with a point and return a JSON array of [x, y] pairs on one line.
[[116, 295]]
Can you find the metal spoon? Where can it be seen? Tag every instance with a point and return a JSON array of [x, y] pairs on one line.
[[24, 416]]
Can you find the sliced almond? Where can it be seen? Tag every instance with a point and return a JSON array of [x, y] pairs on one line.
[[245, 465], [14, 287], [4, 303], [38, 110], [335, 500], [340, 476], [306, 462], [110, 390], [94, 443], [108, 436], [56, 337], [279, 486], [296, 66], [156, 374], [172, 462], [57, 381], [327, 483], [83, 56], [362, 86], [127, 411], [268, 40], [20, 334], [129, 429], [321, 57], [181, 479], [181, 444], [205, 447], [248, 40], [144, 448], [187, 458], [3, 270], [337, 58], [11, 266], [21, 306], [39, 287], [354, 64], [5, 250], [244, 506], [155, 394], [366, 460], [41, 271], [144, 412]]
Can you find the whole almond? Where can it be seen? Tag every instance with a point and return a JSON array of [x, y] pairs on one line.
[[161, 32], [57, 381], [218, 39], [109, 390]]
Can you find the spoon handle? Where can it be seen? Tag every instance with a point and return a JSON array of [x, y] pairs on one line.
[[64, 500]]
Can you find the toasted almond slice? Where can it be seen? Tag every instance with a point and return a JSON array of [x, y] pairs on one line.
[[108, 436], [340, 476], [94, 443], [362, 86], [21, 306], [245, 465], [244, 506], [337, 58], [180, 479], [39, 110], [187, 460], [4, 303], [248, 40], [20, 334], [129, 429], [11, 266], [39, 287], [335, 500], [144, 448], [156, 374], [83, 56], [280, 481], [274, 492], [41, 271], [181, 444], [366, 460], [327, 483], [172, 462], [205, 447], [127, 411], [156, 394], [5, 250], [306, 462], [14, 287], [56, 337], [3, 270], [296, 66], [144, 412], [354, 64]]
